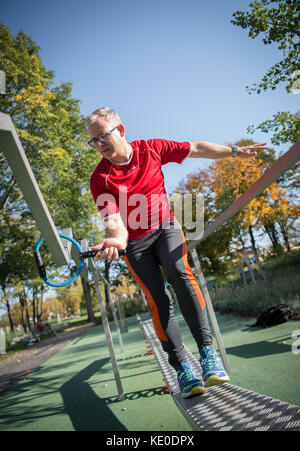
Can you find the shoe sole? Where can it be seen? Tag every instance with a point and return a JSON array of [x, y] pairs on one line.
[[195, 391], [216, 380]]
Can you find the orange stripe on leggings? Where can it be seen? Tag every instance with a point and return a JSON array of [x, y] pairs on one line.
[[153, 307], [189, 272]]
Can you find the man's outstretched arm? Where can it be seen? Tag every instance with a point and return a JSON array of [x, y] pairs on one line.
[[204, 149]]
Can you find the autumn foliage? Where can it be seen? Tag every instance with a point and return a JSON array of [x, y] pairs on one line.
[[272, 213]]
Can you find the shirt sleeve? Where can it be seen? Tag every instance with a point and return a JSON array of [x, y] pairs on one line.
[[105, 201], [170, 151]]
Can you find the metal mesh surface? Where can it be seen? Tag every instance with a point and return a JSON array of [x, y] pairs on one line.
[[225, 407]]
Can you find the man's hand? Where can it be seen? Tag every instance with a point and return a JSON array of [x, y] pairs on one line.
[[251, 151], [110, 248], [117, 237]]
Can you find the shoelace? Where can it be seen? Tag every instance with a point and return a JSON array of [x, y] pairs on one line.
[[187, 375], [211, 360]]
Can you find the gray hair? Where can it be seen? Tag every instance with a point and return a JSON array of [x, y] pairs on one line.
[[107, 113]]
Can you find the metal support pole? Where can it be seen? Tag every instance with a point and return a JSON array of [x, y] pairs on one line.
[[93, 269], [247, 258], [144, 298], [210, 310], [241, 267], [121, 314], [259, 264], [113, 310]]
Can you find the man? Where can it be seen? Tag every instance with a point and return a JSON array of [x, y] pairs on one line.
[[128, 188]]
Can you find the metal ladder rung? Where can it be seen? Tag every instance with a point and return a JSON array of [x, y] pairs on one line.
[[225, 407]]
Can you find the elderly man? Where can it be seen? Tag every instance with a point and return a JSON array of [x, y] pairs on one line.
[[130, 174]]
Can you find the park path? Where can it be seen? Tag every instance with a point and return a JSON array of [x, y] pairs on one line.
[[17, 366]]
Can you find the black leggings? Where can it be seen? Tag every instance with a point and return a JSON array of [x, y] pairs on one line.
[[166, 246]]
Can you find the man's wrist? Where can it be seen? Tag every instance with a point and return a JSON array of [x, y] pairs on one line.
[[234, 151]]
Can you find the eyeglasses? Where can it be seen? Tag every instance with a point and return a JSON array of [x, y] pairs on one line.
[[102, 138]]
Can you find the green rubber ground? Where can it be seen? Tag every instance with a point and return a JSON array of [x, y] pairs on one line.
[[75, 389]]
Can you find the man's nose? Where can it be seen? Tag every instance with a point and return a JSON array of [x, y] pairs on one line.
[[99, 144]]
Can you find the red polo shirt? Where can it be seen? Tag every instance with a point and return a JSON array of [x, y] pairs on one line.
[[136, 189]]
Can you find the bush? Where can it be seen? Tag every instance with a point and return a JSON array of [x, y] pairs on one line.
[[133, 306], [255, 298], [130, 307], [286, 260]]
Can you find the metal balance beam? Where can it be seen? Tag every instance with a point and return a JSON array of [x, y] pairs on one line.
[[225, 407]]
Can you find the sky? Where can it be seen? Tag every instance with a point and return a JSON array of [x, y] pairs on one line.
[[172, 69]]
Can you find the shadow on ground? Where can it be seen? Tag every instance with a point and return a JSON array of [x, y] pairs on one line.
[[258, 349], [89, 412], [86, 410]]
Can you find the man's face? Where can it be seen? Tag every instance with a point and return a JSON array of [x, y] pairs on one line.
[[113, 146]]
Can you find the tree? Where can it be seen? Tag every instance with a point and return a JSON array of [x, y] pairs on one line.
[[53, 135], [221, 184], [53, 307], [213, 251], [272, 206], [278, 22], [16, 261], [70, 297]]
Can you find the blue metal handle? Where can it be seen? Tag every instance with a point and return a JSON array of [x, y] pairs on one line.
[[82, 256], [41, 267]]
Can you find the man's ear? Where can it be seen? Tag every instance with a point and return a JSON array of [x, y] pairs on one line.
[[121, 129]]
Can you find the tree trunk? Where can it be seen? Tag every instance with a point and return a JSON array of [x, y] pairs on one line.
[[22, 298], [41, 300], [252, 239], [11, 323], [285, 235], [33, 305], [272, 233], [87, 297], [27, 314]]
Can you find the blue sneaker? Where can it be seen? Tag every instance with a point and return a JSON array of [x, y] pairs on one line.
[[189, 384], [213, 370]]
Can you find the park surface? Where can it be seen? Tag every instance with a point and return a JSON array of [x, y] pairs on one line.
[[75, 388]]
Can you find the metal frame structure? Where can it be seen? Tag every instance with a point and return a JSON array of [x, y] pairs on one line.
[[15, 155], [60, 249]]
